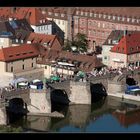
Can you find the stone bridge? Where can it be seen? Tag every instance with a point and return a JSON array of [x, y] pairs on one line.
[[79, 92], [34, 101]]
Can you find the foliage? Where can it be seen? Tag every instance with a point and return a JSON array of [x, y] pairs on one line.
[[80, 42], [5, 129]]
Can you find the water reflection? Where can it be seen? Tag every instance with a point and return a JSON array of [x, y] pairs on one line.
[[98, 117]]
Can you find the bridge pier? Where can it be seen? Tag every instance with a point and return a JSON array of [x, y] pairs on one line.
[[3, 116], [80, 93], [40, 101]]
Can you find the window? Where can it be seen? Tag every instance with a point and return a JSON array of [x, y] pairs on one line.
[[118, 18], [23, 67], [21, 41], [56, 14], [12, 69], [91, 14], [86, 13], [63, 22], [1, 40], [128, 19], [77, 12], [123, 18], [104, 16], [103, 25], [131, 49], [99, 24], [109, 16], [49, 13], [16, 40], [133, 20], [23, 60], [105, 57], [32, 65], [81, 13], [114, 17], [95, 15], [45, 67], [100, 15]]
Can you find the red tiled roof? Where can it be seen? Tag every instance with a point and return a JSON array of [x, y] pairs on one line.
[[41, 38], [18, 52], [33, 15], [129, 44], [87, 62]]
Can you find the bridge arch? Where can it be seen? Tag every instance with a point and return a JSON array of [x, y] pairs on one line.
[[16, 108], [59, 96], [98, 91]]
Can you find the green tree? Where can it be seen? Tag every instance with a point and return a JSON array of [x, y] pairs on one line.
[[81, 42], [67, 45]]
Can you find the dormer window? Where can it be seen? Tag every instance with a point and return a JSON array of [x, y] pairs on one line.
[[77, 12], [56, 14], [16, 40], [91, 14], [62, 15], [86, 13], [128, 19], [118, 18], [100, 15], [95, 15], [104, 16], [123, 18], [114, 17], [133, 20], [49, 13], [109, 17]]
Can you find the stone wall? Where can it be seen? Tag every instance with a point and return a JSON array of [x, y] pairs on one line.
[[80, 93], [40, 102], [3, 116]]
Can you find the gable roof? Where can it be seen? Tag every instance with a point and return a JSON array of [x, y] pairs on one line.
[[41, 38], [17, 28], [32, 14], [18, 52], [129, 44], [116, 35]]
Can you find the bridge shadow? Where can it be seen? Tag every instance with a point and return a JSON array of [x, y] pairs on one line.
[[59, 100], [16, 109], [98, 92]]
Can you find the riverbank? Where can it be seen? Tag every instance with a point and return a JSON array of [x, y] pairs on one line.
[[53, 114], [125, 96]]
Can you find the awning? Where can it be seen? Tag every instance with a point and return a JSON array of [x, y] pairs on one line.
[[65, 64], [117, 60]]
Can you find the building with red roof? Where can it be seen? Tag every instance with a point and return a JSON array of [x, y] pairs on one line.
[[126, 52], [20, 61], [49, 41]]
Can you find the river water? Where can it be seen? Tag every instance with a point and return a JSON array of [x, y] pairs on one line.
[[102, 116]]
